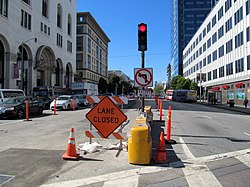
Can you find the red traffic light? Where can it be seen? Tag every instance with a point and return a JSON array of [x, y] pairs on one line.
[[142, 27]]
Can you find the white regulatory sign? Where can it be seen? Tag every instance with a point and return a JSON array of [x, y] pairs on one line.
[[143, 77]]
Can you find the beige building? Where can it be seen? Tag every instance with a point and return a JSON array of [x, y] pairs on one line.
[[37, 44], [91, 52]]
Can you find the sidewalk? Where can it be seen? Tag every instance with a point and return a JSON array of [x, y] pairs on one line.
[[237, 108]]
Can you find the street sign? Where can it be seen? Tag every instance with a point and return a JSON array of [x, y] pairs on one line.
[[143, 77], [106, 117]]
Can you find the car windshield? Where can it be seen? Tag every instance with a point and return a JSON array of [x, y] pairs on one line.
[[13, 100], [63, 98]]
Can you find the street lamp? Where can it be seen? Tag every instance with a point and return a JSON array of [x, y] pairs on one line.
[[22, 62]]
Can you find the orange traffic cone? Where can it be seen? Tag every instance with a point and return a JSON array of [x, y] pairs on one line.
[[161, 156], [71, 149]]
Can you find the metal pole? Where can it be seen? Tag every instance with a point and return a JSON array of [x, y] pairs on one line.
[[142, 99]]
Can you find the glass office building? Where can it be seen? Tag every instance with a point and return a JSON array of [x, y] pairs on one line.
[[186, 18]]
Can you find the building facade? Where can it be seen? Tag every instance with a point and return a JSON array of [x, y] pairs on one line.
[[186, 18], [91, 51], [37, 43], [218, 56]]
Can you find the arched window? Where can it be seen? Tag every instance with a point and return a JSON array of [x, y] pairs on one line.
[[69, 24], [45, 8], [59, 16]]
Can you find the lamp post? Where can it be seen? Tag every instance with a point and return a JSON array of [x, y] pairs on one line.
[[22, 62]]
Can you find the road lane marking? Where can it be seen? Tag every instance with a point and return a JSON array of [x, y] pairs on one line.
[[208, 117], [130, 181], [195, 169], [186, 149], [246, 134]]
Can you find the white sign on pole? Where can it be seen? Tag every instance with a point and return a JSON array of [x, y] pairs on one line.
[[143, 77]]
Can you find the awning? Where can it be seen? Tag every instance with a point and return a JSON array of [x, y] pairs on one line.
[[239, 84], [216, 88], [225, 87]]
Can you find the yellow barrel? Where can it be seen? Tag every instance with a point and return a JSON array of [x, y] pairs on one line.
[[149, 114], [139, 145], [140, 120]]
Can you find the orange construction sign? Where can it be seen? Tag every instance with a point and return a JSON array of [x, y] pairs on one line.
[[106, 117]]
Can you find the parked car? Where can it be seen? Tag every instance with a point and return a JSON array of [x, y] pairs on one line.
[[16, 107], [46, 101], [82, 99], [64, 102]]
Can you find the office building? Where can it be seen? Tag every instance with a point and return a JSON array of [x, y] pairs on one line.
[[91, 53], [218, 56], [186, 18], [37, 43]]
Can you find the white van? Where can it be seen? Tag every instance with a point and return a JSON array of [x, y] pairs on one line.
[[8, 93]]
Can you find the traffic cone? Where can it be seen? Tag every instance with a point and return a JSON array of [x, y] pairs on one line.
[[71, 149], [161, 156]]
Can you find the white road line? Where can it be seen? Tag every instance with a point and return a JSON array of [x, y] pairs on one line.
[[130, 181], [246, 134], [208, 117], [245, 159], [185, 149]]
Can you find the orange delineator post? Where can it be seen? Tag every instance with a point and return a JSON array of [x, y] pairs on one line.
[[27, 109], [169, 123], [55, 106], [160, 109]]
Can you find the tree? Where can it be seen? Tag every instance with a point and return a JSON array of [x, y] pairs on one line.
[[193, 86], [158, 89], [102, 85], [173, 83], [180, 83]]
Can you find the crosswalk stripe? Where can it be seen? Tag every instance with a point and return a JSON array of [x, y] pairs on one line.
[[130, 181], [245, 159], [200, 175]]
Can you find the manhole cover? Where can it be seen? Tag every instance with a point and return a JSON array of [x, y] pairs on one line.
[[5, 178]]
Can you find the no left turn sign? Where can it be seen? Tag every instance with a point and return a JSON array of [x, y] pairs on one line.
[[143, 77]]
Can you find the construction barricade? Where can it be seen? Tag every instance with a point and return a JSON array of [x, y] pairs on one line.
[[140, 145]]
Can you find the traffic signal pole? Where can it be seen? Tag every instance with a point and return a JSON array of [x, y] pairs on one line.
[[142, 65]]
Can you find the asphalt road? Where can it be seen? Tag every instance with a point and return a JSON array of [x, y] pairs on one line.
[[208, 139]]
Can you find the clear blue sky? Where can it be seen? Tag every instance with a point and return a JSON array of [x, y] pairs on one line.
[[119, 20]]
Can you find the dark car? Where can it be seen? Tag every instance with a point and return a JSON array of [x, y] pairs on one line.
[[16, 107], [46, 101]]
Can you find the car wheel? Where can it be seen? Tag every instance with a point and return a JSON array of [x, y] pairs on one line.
[[68, 107], [20, 114], [40, 110]]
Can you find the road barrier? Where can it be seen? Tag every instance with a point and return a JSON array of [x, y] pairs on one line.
[[71, 148], [55, 106], [169, 123], [27, 109], [116, 99], [73, 104], [114, 135]]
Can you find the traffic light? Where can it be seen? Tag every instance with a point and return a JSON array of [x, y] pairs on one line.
[[142, 37]]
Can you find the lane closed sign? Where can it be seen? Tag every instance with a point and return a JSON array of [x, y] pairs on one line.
[[106, 117]]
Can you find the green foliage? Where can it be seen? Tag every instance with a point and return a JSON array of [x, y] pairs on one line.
[[102, 85], [179, 82], [158, 89], [118, 85]]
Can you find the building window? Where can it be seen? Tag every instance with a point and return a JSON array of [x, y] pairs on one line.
[[221, 71], [204, 32], [229, 24], [59, 40], [214, 38], [79, 30], [204, 47], [238, 16], [204, 62], [221, 51], [239, 40], [208, 43], [79, 43], [239, 65], [45, 8], [4, 8], [215, 55], [220, 13], [248, 34], [25, 20], [229, 69], [220, 32], [209, 76], [79, 60], [228, 5], [208, 27], [229, 46], [59, 16], [248, 62], [69, 46], [89, 45], [215, 74], [247, 7], [89, 62], [214, 21], [69, 24], [209, 59]]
